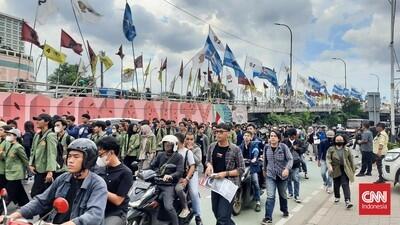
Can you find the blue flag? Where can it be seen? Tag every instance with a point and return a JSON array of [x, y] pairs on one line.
[[288, 87], [230, 61], [268, 74], [356, 94], [346, 92], [337, 89], [127, 25], [212, 55], [310, 100], [314, 84]]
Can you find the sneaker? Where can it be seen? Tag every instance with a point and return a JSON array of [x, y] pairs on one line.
[[329, 190], [349, 204], [266, 221], [379, 181], [305, 176], [286, 214], [324, 187], [297, 199], [368, 174], [290, 196], [258, 207], [360, 175], [337, 200], [198, 220], [184, 213]]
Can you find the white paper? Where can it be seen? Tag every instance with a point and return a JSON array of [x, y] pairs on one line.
[[224, 187]]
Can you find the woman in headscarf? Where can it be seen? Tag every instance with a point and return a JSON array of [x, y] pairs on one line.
[[148, 146]]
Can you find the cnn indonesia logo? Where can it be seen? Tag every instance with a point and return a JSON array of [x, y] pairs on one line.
[[374, 199]]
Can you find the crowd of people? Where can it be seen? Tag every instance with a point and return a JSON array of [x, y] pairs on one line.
[[91, 164]]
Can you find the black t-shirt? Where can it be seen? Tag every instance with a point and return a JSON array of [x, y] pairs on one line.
[[119, 180], [73, 190], [246, 151], [199, 142], [218, 158]]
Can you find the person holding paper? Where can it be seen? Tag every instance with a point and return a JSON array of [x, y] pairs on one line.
[[224, 160]]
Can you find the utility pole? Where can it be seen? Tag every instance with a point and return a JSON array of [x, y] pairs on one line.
[[392, 105]]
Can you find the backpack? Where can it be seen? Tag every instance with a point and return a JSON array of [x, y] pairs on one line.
[[60, 150]]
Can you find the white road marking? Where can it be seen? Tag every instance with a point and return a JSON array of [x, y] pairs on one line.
[[297, 208], [306, 200]]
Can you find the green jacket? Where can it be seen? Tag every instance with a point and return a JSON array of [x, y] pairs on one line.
[[333, 160], [232, 137], [97, 137], [2, 161], [131, 148], [44, 152], [162, 132], [15, 161], [151, 145], [65, 140]]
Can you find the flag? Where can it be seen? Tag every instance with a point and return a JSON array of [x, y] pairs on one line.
[[266, 73], [120, 53], [127, 75], [229, 58], [199, 75], [127, 25], [107, 62], [190, 78], [93, 58], [45, 9], [198, 59], [85, 11], [82, 69], [229, 81], [181, 70], [209, 77], [253, 64], [164, 65], [252, 86], [310, 100], [218, 118], [356, 94], [53, 54], [147, 71], [212, 55], [265, 86], [288, 87], [338, 89], [302, 80], [314, 83], [139, 62], [243, 80], [68, 42], [215, 40], [29, 34]]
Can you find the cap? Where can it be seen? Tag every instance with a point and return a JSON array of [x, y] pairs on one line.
[[100, 123], [43, 116], [14, 131]]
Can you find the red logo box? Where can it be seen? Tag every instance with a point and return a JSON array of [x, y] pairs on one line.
[[374, 199]]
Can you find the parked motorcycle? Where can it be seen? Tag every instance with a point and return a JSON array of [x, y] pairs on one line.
[[146, 206]]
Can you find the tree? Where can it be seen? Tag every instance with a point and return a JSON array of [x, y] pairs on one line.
[[66, 74], [217, 90], [352, 108]]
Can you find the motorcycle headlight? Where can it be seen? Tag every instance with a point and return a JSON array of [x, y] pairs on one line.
[[392, 156], [148, 193]]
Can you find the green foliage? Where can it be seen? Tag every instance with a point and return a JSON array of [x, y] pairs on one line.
[[66, 74], [297, 119], [392, 145], [352, 108]]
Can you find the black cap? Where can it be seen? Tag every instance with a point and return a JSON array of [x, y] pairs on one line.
[[87, 116], [43, 116], [101, 124]]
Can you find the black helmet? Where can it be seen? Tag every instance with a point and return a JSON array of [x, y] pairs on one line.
[[89, 150]]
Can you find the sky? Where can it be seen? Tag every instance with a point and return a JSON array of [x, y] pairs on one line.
[[357, 31]]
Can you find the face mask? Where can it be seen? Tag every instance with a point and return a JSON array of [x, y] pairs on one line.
[[57, 129], [10, 138], [114, 130], [101, 161], [340, 144]]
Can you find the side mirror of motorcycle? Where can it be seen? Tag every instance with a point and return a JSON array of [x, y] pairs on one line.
[[135, 166], [61, 205]]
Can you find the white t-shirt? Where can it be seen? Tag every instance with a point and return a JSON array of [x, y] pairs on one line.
[[190, 159]]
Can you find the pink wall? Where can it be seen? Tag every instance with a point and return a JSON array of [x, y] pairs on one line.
[[25, 106]]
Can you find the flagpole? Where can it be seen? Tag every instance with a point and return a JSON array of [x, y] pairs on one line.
[[160, 75], [135, 72], [166, 76], [144, 80], [47, 74], [80, 32], [122, 73]]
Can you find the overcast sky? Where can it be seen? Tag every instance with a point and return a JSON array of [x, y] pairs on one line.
[[355, 30]]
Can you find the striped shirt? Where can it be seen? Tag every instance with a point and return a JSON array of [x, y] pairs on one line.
[[276, 161]]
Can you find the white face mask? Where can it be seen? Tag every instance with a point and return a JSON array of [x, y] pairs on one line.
[[101, 161], [114, 130], [57, 129], [10, 138]]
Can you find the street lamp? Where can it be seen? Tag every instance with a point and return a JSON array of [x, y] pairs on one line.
[[377, 77], [345, 71], [291, 47]]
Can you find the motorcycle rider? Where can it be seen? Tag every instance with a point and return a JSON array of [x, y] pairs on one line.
[[85, 191], [169, 155], [118, 177], [250, 152]]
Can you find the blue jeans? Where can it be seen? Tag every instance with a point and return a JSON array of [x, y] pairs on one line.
[[272, 185], [295, 178], [325, 176], [194, 193], [256, 186], [222, 209]]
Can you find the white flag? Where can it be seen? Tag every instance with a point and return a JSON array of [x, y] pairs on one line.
[[253, 64], [82, 69], [198, 59], [230, 85], [45, 9], [215, 40], [85, 11], [127, 75]]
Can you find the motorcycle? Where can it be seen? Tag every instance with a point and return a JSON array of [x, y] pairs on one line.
[[244, 194], [60, 205], [145, 205]]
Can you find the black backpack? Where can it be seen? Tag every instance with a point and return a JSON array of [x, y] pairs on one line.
[[60, 150]]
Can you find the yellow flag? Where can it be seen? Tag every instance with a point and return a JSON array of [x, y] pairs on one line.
[[108, 63], [146, 73], [160, 75], [53, 54], [190, 78]]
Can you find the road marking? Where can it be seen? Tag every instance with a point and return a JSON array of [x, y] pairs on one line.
[[297, 208], [284, 220], [318, 216], [315, 193], [306, 200]]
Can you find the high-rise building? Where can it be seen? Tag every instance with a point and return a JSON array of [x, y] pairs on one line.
[[10, 33], [14, 64]]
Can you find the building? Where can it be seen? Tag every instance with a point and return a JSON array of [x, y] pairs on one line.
[[14, 65]]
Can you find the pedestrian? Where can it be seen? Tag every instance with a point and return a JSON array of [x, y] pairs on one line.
[[130, 147], [183, 127], [297, 149], [224, 160], [341, 167], [63, 140], [15, 163], [380, 149], [98, 131], [321, 159], [85, 129], [278, 161], [72, 128], [27, 137], [366, 147], [108, 128], [148, 146], [203, 142], [310, 140], [43, 159], [3, 129], [12, 123]]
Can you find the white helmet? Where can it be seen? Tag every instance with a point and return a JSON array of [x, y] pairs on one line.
[[171, 139]]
